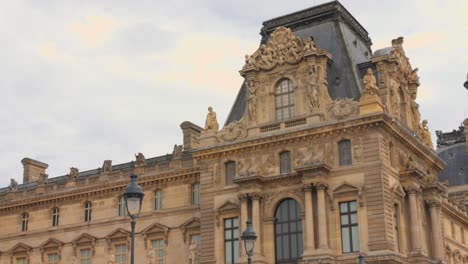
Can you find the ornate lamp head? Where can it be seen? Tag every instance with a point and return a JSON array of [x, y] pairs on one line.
[[133, 196], [249, 238]]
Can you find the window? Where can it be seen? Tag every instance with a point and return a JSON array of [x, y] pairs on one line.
[[85, 256], [349, 227], [288, 232], [122, 207], [344, 148], [121, 254], [284, 96], [52, 258], [158, 248], [396, 227], [88, 211], [285, 162], [158, 200], [21, 261], [196, 193], [24, 222], [230, 172], [55, 216], [231, 240]]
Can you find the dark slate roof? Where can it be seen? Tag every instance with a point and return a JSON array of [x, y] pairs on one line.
[[452, 149], [334, 29]]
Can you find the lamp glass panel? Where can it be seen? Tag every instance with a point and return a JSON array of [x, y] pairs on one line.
[[133, 205], [249, 246]]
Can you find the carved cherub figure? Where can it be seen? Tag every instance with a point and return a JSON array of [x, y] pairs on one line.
[[177, 150], [211, 123], [370, 83], [309, 45]]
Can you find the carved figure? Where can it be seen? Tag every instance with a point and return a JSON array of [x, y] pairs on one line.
[[268, 167], [74, 260], [313, 89], [318, 154], [211, 123], [416, 114], [177, 151], [248, 61], [193, 258], [370, 83], [73, 173], [111, 258], [299, 158], [358, 148], [413, 77], [106, 166], [140, 159], [151, 256], [309, 45], [13, 185], [343, 108], [235, 130], [43, 178], [252, 100], [425, 135]]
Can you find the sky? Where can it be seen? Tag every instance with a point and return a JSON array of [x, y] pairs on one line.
[[85, 81]]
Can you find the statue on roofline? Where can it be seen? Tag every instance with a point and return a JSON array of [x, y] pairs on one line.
[[211, 124]]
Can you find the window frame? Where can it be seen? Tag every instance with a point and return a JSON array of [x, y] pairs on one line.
[[88, 257], [55, 261], [285, 164], [88, 210], [230, 171], [349, 226], [122, 207], [55, 216], [234, 239], [196, 194], [342, 150], [279, 95], [122, 253], [158, 200], [24, 222], [159, 249]]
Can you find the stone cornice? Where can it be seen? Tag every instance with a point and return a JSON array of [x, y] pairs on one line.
[[454, 212], [100, 188]]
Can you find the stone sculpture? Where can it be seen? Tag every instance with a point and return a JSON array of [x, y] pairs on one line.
[[140, 159], [235, 130], [425, 135], [43, 178], [252, 100], [343, 108], [313, 89], [193, 258], [211, 123], [177, 152], [413, 77], [370, 84], [107, 166], [13, 185], [73, 173]]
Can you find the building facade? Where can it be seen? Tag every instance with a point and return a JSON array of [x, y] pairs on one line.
[[324, 151]]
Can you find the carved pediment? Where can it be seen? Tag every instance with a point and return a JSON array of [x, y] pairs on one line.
[[20, 248], [345, 188], [282, 47], [118, 233], [228, 205], [51, 243], [84, 240], [155, 230], [193, 224]]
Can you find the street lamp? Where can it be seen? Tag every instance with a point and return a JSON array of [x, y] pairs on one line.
[[249, 238], [133, 196]]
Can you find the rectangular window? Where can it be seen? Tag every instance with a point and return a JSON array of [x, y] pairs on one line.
[[158, 248], [55, 217], [230, 172], [85, 256], [285, 162], [122, 207], [88, 211], [396, 227], [121, 254], [52, 258], [158, 200], [344, 148], [21, 261], [24, 222], [196, 193], [349, 227], [231, 240]]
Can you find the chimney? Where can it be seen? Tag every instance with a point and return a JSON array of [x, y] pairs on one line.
[[32, 169], [191, 134]]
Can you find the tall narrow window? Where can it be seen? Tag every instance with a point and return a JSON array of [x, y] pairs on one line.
[[344, 148], [121, 254], [21, 261], [24, 222], [230, 172], [158, 248], [196, 193], [55, 216], [158, 200], [288, 232], [231, 240], [52, 258], [122, 207], [349, 227], [396, 227], [88, 211], [85, 256], [284, 96], [285, 162]]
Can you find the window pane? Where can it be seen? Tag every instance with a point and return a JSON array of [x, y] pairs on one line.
[[354, 218], [236, 251], [343, 207], [352, 206], [228, 252], [344, 220], [345, 240], [355, 236]]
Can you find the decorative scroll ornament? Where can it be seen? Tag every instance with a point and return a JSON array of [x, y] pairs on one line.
[[343, 108], [282, 47], [235, 130]]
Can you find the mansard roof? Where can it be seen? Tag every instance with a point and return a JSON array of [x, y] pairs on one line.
[[333, 29]]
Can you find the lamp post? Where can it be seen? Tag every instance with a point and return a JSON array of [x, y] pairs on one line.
[[133, 196], [249, 238], [361, 259]]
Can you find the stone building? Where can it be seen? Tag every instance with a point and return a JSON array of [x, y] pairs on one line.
[[324, 150]]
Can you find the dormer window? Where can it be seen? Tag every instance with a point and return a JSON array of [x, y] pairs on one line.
[[284, 99]]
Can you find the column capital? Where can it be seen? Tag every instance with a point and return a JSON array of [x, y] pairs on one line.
[[256, 196], [243, 197], [307, 188], [433, 202], [321, 186], [412, 189]]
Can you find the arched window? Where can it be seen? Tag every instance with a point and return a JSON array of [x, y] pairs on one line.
[[55, 216], [344, 148], [284, 98], [288, 232], [285, 162], [196, 193], [230, 172], [122, 207], [158, 200], [88, 211], [24, 222]]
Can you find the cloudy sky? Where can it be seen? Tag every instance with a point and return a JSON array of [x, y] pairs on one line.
[[84, 81]]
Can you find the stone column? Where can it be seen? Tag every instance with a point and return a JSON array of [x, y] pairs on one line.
[[415, 222], [243, 218], [437, 245], [256, 222], [322, 216], [309, 221]]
